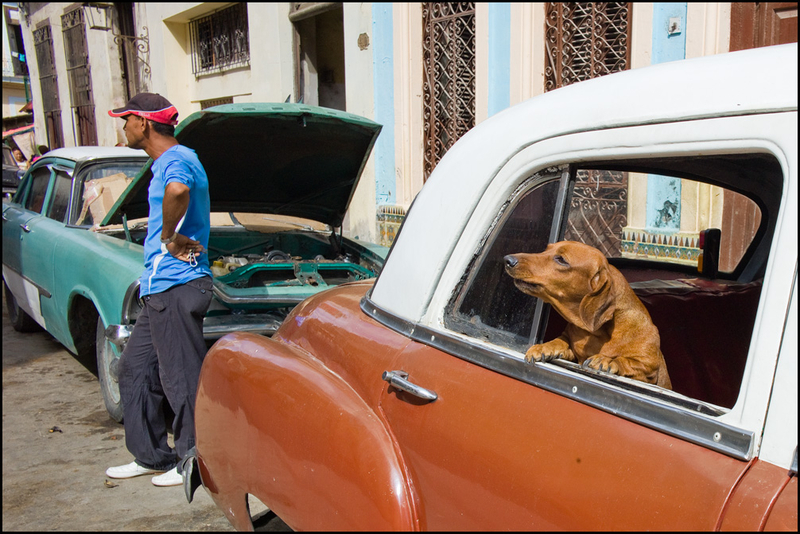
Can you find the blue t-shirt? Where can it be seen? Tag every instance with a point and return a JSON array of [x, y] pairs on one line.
[[161, 269]]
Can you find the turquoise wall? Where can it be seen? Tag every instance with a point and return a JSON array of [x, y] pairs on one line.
[[663, 210], [383, 81], [499, 56]]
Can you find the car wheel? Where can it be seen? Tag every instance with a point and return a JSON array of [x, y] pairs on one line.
[[20, 320], [107, 360], [267, 521]]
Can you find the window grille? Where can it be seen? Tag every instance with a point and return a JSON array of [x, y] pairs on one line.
[[134, 56], [599, 210], [134, 50], [586, 40], [448, 49], [205, 104], [220, 40], [48, 81], [79, 74]]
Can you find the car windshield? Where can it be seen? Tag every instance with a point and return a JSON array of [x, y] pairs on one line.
[[101, 187]]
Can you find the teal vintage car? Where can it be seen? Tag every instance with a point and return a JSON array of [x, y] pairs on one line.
[[281, 178]]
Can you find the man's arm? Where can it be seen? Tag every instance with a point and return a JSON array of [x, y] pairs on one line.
[[174, 206], [176, 201]]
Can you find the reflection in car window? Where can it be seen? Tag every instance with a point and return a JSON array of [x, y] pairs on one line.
[[61, 194], [39, 180]]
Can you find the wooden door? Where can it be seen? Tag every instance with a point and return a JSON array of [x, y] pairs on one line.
[[753, 25], [757, 24]]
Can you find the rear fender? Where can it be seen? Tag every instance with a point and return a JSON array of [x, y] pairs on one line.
[[338, 471]]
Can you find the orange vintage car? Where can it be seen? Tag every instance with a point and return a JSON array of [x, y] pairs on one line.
[[406, 403]]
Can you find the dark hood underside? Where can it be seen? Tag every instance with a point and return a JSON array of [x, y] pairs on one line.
[[285, 159]]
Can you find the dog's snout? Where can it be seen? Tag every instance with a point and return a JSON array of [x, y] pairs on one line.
[[511, 261]]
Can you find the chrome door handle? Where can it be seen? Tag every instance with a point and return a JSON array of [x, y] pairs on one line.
[[399, 379], [25, 227]]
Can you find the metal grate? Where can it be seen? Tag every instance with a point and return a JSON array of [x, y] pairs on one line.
[[585, 40], [134, 50], [449, 85], [134, 56], [599, 210], [48, 81], [79, 74], [205, 104], [220, 40]]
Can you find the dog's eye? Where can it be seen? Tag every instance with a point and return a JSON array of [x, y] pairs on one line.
[[561, 261]]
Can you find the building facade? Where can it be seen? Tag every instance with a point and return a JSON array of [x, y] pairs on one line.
[[427, 71], [17, 113]]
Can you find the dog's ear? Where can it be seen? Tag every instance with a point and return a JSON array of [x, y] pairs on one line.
[[597, 307]]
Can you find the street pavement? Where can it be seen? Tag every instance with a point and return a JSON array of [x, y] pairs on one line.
[[57, 443]]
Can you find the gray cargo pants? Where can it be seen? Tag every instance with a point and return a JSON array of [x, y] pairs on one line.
[[161, 362]]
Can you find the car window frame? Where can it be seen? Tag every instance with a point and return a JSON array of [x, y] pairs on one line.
[[559, 225], [558, 174], [21, 196], [736, 433], [30, 178], [54, 174]]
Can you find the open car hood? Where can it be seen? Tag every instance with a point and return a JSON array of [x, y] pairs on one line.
[[286, 159]]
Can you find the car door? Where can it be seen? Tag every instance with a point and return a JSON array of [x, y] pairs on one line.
[[23, 269], [531, 459], [509, 445], [47, 232], [493, 452]]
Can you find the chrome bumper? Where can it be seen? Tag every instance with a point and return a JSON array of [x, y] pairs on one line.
[[118, 334]]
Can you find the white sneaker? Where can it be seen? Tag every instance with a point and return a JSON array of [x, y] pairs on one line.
[[130, 470], [170, 478]]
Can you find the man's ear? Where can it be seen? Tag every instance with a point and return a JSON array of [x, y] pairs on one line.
[[597, 307]]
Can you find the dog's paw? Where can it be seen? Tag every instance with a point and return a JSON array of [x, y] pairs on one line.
[[538, 353], [549, 351], [602, 363]]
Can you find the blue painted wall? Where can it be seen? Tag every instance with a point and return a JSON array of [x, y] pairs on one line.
[[383, 82], [663, 210], [499, 56], [668, 46]]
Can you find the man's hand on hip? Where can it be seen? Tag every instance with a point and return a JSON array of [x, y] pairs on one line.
[[182, 246]]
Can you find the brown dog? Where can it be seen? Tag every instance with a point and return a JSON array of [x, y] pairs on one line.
[[609, 328]]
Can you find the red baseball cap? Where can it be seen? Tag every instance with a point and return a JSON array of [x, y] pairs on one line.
[[151, 106]]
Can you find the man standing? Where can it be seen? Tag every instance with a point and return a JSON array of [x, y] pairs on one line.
[[162, 359]]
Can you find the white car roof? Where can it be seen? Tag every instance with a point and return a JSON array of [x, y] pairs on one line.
[[739, 83], [94, 152]]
